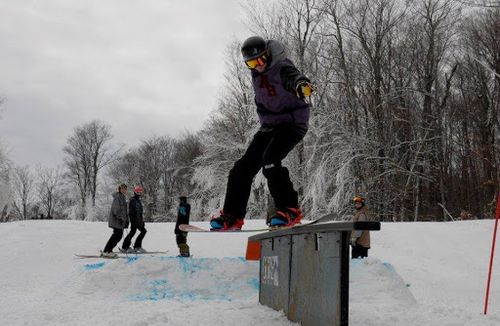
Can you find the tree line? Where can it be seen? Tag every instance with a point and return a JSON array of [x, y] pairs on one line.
[[405, 114]]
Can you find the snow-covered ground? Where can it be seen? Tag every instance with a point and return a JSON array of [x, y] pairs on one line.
[[417, 274]]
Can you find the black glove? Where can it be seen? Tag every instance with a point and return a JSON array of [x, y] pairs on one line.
[[353, 242], [304, 88]]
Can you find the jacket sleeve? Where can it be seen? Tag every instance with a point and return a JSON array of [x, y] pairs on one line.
[[290, 76], [115, 208]]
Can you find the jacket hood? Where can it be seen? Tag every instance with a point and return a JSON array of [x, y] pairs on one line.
[[117, 194], [278, 52]]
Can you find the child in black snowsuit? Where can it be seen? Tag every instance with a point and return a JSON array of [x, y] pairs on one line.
[[182, 218]]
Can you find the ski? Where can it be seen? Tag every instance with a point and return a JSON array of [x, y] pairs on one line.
[[143, 253], [98, 256], [123, 255], [192, 228]]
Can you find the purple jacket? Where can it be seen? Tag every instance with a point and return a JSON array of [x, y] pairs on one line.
[[275, 94]]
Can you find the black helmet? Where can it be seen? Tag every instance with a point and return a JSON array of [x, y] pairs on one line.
[[254, 47]]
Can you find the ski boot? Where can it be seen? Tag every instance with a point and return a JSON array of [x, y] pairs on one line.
[[109, 255], [126, 251]]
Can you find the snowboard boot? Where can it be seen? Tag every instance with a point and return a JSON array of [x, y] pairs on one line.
[[183, 250], [127, 251], [225, 222], [288, 217], [140, 250]]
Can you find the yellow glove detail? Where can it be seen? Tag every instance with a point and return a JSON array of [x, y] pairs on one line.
[[304, 88]]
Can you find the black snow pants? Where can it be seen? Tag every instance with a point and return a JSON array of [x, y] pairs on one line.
[[138, 241], [266, 151], [113, 241]]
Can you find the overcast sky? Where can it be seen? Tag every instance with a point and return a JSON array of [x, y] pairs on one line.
[[143, 66]]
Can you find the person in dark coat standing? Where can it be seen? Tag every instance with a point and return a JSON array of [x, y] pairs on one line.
[[279, 89], [135, 212], [182, 218], [118, 220]]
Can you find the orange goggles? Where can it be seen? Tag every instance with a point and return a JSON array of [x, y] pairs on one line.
[[357, 200], [260, 61]]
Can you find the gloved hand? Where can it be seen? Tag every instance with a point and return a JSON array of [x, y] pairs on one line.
[[304, 88], [353, 242]]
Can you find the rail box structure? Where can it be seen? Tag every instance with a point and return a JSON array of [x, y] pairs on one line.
[[304, 270]]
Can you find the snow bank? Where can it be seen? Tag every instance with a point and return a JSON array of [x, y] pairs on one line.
[[417, 274]]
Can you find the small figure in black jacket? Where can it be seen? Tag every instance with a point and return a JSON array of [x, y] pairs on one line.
[[135, 212], [182, 218]]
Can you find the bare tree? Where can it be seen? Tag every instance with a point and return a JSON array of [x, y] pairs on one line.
[[187, 149], [24, 191], [482, 3], [88, 151], [152, 166], [49, 188]]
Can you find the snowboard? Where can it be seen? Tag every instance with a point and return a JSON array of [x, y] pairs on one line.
[[192, 228], [143, 253]]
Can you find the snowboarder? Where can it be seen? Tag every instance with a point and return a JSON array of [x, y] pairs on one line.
[[284, 117], [135, 212], [360, 240], [118, 220], [182, 218]]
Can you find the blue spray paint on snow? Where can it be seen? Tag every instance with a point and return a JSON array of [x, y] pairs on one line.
[[89, 267], [254, 283], [203, 279], [389, 268], [191, 279]]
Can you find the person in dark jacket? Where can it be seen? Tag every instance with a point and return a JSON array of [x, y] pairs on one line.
[[118, 220], [135, 212], [279, 89], [360, 240], [182, 218]]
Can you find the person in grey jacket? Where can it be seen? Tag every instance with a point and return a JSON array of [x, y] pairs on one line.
[[118, 219]]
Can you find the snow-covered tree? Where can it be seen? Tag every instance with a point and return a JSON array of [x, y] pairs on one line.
[[88, 150], [6, 180]]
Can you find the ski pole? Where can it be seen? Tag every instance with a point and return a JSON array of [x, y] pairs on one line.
[[492, 256]]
